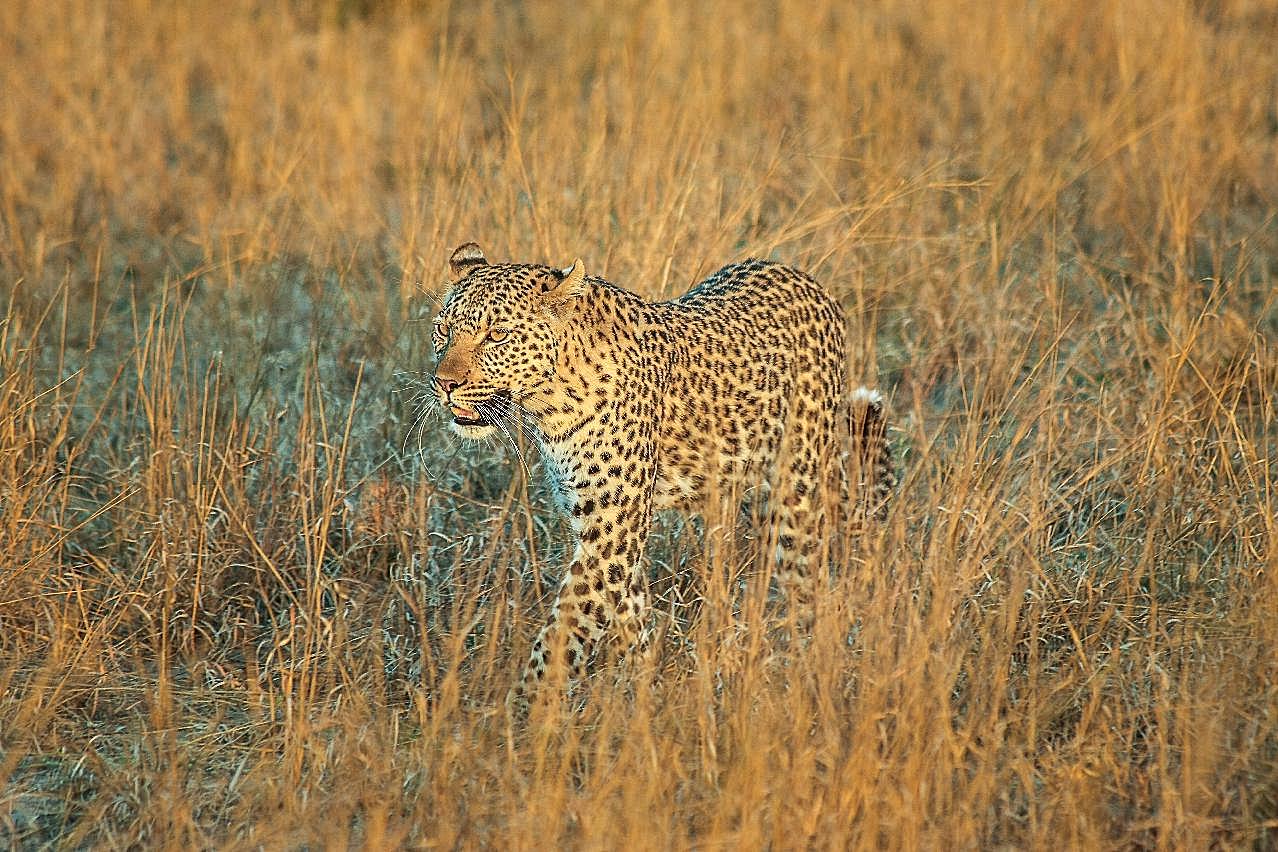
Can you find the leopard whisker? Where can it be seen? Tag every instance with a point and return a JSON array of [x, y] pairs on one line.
[[416, 429], [419, 428], [522, 417], [486, 410]]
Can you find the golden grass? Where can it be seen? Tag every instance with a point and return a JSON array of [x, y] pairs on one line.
[[237, 609]]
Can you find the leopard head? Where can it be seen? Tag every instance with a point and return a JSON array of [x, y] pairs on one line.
[[495, 337]]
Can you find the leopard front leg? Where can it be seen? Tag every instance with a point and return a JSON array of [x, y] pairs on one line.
[[603, 594]]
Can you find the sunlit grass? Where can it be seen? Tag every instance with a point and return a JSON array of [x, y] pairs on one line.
[[252, 595]]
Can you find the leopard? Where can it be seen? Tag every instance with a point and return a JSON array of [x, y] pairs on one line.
[[637, 406]]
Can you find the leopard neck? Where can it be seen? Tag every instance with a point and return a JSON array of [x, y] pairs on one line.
[[595, 345]]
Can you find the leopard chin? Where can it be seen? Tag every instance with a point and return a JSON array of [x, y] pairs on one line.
[[472, 429]]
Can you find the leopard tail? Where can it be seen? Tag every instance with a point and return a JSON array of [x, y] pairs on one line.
[[868, 431]]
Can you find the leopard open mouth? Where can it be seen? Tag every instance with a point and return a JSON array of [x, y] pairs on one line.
[[465, 416], [481, 413]]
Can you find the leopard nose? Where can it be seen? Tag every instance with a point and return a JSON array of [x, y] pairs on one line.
[[447, 386]]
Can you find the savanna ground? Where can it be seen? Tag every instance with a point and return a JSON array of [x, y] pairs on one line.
[[244, 604]]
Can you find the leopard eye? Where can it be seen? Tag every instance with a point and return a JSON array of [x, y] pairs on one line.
[[442, 331], [498, 335]]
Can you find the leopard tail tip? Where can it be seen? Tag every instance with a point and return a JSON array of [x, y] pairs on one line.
[[868, 398]]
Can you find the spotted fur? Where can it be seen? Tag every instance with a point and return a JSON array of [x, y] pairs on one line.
[[639, 405]]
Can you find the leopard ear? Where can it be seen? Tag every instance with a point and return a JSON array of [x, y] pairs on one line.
[[565, 283], [466, 257]]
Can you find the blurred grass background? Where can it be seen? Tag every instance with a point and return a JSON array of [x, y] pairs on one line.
[[243, 603]]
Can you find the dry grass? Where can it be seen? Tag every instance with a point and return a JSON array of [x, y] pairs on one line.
[[237, 609]]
